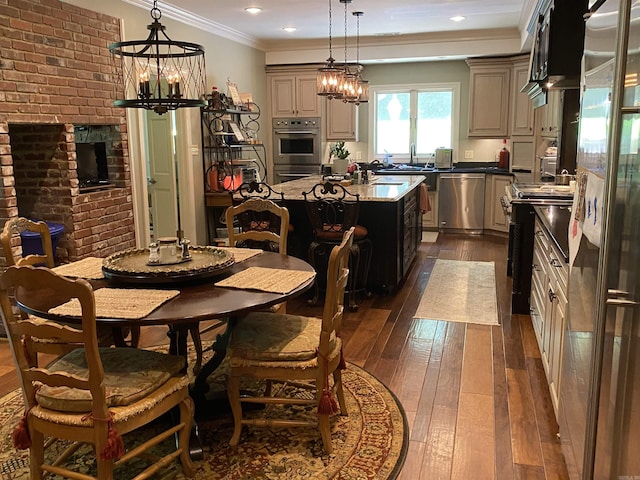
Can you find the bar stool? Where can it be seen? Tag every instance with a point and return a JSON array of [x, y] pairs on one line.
[[332, 210]]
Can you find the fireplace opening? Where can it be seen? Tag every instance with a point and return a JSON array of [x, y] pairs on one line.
[[92, 166]]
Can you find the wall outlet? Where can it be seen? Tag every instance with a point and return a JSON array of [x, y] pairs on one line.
[[358, 155], [468, 154]]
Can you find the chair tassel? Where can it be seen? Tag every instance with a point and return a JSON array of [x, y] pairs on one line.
[[114, 449], [20, 435], [328, 404], [342, 365]]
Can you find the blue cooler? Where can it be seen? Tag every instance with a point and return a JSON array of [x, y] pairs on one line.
[[31, 243]]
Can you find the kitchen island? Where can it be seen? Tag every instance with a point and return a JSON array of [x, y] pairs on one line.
[[389, 209]]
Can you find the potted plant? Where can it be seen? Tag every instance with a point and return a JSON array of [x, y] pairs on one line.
[[338, 150]]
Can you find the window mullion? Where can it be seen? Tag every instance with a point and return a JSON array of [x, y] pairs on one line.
[[413, 106]]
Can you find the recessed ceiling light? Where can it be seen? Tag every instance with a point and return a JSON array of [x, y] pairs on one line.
[[457, 18], [253, 10], [289, 29]]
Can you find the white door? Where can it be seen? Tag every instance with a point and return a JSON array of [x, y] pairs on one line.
[[161, 176]]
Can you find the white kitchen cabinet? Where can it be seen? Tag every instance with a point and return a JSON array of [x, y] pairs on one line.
[[548, 116], [494, 215], [522, 111], [293, 95], [549, 305], [341, 121], [489, 97]]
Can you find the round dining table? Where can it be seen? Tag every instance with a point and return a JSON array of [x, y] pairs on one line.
[[198, 300]]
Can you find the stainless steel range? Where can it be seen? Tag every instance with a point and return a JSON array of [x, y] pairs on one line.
[[296, 148], [518, 203]]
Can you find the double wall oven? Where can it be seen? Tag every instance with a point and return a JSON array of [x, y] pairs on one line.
[[296, 148]]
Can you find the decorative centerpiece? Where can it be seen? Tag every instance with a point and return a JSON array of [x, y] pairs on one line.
[[148, 265]]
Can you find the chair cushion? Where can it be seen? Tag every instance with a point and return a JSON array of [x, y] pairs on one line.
[[129, 375], [263, 336], [334, 233]]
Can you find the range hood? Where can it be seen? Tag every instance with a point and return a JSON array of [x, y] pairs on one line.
[[557, 49]]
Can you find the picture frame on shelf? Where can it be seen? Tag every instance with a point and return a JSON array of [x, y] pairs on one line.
[[232, 91], [237, 133]]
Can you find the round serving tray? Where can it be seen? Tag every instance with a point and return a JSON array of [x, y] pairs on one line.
[[130, 266]]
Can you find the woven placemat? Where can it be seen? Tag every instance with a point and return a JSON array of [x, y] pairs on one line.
[[275, 280], [242, 254], [121, 303], [90, 267]]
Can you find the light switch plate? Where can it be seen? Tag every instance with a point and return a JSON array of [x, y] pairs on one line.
[[358, 155], [468, 154]]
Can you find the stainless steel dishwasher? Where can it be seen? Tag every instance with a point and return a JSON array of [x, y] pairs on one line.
[[461, 202]]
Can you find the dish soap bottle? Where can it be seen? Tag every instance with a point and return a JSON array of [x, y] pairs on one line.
[[503, 156]]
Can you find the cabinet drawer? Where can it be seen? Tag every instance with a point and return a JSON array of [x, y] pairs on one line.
[[537, 313]]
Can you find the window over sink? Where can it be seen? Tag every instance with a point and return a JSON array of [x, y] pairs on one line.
[[410, 121]]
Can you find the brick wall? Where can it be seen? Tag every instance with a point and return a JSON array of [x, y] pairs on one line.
[[56, 73]]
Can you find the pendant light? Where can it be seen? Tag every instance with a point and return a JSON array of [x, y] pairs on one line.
[[329, 77], [158, 73], [361, 86], [347, 88]]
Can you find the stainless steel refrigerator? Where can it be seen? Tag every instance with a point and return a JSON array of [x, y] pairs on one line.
[[599, 412]]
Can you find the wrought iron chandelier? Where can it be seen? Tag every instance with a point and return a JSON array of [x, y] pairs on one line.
[[329, 77], [361, 86], [158, 73]]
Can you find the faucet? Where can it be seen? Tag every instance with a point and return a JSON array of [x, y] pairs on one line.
[[412, 153]]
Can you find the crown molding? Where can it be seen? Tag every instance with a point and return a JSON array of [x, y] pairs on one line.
[[202, 23]]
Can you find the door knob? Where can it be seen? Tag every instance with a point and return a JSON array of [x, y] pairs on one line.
[[152, 181]]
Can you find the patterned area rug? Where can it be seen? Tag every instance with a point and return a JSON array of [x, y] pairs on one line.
[[370, 443], [460, 291]]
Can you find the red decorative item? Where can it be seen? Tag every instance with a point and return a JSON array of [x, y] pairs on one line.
[[503, 158], [114, 449], [20, 435]]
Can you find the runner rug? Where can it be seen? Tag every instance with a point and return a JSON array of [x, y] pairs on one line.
[[460, 291], [370, 443]]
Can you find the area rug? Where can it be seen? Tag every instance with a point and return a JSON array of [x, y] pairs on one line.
[[460, 291], [429, 237], [370, 443]]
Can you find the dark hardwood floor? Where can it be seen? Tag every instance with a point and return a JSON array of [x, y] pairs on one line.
[[475, 396]]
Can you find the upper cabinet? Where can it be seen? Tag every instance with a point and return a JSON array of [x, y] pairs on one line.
[[294, 95], [548, 115], [522, 111], [341, 121], [489, 97]]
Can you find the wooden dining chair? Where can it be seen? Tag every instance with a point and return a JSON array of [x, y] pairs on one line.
[[292, 349], [14, 227], [91, 395], [262, 224]]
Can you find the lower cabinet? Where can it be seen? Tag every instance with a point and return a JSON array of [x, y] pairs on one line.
[[495, 217], [549, 305]]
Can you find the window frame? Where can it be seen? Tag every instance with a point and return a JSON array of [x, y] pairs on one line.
[[413, 89]]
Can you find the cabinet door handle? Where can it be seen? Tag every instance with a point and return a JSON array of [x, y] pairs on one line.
[[552, 296], [618, 293], [620, 302], [536, 267], [555, 262]]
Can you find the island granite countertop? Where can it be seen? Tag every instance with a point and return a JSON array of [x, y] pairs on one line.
[[381, 188]]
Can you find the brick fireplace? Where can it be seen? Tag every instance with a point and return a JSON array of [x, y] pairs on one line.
[[57, 83]]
